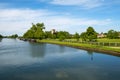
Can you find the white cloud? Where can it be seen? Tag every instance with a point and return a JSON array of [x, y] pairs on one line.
[[24, 14], [83, 3], [19, 20]]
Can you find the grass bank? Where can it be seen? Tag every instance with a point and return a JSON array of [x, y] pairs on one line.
[[103, 49], [108, 40]]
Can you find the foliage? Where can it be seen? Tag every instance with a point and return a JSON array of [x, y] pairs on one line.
[[83, 36], [35, 32], [1, 36], [12, 36], [112, 34], [29, 34], [76, 36], [48, 34], [61, 35], [61, 38], [54, 36], [108, 40], [84, 46], [90, 35]]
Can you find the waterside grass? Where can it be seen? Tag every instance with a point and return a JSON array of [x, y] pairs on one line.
[[108, 40], [104, 49]]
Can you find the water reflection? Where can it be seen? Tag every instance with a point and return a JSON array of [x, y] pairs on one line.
[[0, 39], [40, 50], [62, 49], [21, 60], [91, 54], [37, 50]]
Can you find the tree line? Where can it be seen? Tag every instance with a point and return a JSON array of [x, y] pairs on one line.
[[37, 32], [11, 36]]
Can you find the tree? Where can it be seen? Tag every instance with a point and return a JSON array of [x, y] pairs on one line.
[[54, 36], [83, 36], [13, 36], [39, 34], [112, 34], [77, 36], [63, 35], [36, 31], [40, 26], [91, 34], [61, 38], [1, 36], [48, 34], [29, 34]]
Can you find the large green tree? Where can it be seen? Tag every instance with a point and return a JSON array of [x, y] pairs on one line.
[[39, 33], [29, 34], [89, 35], [112, 34], [36, 31]]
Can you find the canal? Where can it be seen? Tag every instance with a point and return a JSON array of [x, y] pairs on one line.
[[21, 60]]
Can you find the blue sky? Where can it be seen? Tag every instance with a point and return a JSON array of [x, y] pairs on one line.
[[16, 16]]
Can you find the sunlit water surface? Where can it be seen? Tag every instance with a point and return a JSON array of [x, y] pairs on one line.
[[21, 60]]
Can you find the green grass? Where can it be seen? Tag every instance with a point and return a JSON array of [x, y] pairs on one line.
[[100, 40], [108, 40], [83, 46]]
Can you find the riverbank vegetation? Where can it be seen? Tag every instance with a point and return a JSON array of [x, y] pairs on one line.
[[98, 48], [37, 31], [89, 39], [11, 36], [1, 36]]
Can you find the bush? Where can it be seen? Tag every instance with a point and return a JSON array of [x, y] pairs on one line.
[[61, 38], [1, 36]]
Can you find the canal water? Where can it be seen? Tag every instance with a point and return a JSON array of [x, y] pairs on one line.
[[21, 60]]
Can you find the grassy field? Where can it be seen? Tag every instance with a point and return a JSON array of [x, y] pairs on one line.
[[106, 49], [101, 40], [108, 40]]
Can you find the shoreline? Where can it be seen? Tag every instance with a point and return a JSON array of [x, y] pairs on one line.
[[93, 48]]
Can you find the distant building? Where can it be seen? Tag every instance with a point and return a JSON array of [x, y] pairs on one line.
[[53, 31], [101, 35]]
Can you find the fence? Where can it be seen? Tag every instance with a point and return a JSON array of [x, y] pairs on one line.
[[112, 44]]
